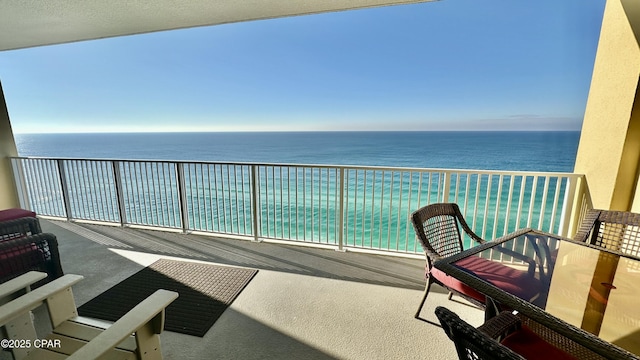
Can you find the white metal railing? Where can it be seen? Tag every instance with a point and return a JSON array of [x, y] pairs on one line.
[[342, 206]]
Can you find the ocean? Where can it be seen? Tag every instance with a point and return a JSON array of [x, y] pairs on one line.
[[298, 202], [519, 151]]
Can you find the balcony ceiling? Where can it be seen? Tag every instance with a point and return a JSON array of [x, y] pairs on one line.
[[28, 23]]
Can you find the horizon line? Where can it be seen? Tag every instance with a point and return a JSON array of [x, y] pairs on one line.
[[282, 131]]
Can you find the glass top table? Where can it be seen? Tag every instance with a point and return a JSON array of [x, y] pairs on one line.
[[587, 294]]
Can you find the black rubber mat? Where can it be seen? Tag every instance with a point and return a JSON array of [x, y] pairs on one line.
[[205, 292]]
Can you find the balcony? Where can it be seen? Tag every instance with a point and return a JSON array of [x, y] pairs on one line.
[[304, 303], [113, 217]]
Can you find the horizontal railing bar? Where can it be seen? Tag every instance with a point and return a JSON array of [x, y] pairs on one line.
[[325, 166]]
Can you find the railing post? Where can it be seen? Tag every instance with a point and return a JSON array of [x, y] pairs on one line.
[[341, 212], [446, 186], [65, 189], [255, 221], [118, 184], [20, 181], [568, 217], [182, 192]]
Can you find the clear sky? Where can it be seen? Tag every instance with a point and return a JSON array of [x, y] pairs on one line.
[[446, 65]]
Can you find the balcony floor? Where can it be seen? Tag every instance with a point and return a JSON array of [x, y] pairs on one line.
[[304, 303]]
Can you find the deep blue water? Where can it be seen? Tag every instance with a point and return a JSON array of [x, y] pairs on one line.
[[521, 151]]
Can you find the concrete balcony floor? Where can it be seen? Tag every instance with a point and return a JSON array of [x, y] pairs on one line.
[[304, 303]]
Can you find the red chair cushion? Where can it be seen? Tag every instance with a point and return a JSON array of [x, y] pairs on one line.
[[517, 282], [455, 284], [526, 343], [12, 214], [20, 259]]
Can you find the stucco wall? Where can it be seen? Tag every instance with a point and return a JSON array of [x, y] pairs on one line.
[[8, 196], [609, 150]]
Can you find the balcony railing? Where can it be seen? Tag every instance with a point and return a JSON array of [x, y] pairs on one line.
[[339, 206]]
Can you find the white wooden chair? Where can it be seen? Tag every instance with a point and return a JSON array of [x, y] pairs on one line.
[[75, 337], [18, 286]]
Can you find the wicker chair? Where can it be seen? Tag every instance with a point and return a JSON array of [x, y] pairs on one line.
[[614, 230], [501, 338], [23, 248], [437, 227], [36, 252]]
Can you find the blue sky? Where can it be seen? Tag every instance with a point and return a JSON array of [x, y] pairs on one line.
[[446, 65]]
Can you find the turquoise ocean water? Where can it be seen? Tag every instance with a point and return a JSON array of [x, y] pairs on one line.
[[301, 203]]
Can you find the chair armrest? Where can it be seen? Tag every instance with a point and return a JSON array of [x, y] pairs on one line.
[[146, 312], [514, 234], [498, 327], [9, 289], [35, 298]]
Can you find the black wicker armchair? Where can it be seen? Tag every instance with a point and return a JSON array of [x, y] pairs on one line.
[[36, 252], [502, 337], [437, 227], [614, 230], [23, 247]]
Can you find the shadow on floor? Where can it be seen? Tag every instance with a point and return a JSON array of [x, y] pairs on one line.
[[349, 266]]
